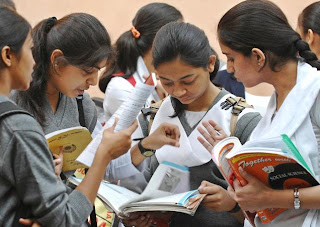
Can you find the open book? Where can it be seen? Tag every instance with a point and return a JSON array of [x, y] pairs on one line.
[[73, 141], [275, 161], [164, 192], [127, 114]]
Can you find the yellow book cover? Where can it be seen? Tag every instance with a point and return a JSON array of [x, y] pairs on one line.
[[73, 141]]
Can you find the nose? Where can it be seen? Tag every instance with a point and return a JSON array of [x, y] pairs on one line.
[[178, 91], [93, 79]]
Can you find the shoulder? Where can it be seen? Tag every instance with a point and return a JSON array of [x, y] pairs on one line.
[[14, 123], [246, 124], [119, 83], [315, 110]]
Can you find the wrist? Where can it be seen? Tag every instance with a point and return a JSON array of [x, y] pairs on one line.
[[235, 209], [103, 156]]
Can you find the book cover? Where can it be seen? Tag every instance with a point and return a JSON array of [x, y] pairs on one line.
[[275, 161], [73, 141]]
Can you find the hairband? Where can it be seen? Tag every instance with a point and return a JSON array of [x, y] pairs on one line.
[[50, 23], [135, 32]]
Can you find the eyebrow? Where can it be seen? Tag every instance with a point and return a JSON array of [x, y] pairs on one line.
[[225, 53], [183, 77]]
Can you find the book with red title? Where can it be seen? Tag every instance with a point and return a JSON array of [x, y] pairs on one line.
[[275, 161]]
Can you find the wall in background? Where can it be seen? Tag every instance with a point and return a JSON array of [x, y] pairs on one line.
[[117, 15]]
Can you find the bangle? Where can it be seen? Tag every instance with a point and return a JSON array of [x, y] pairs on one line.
[[235, 209], [296, 201]]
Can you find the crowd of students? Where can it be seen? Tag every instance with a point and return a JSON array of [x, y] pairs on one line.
[[45, 70]]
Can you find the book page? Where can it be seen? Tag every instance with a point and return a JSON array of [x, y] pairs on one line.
[[169, 178], [177, 203], [73, 141], [113, 195], [127, 114]]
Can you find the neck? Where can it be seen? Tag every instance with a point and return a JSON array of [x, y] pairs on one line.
[[5, 83], [147, 58], [53, 96], [283, 81], [205, 100]]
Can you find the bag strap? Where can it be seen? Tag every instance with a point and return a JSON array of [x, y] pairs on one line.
[[82, 120], [238, 104], [8, 108], [152, 111]]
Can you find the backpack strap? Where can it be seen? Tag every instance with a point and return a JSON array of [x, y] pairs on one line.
[[238, 104], [8, 108], [82, 120], [152, 111]]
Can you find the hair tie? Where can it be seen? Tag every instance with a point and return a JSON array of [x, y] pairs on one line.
[[135, 32], [50, 23]]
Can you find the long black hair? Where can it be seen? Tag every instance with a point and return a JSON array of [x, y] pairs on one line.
[[186, 42], [14, 30], [8, 3], [310, 18], [262, 24], [84, 43], [148, 20]]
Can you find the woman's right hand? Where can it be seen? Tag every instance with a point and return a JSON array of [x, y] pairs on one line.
[[165, 134]]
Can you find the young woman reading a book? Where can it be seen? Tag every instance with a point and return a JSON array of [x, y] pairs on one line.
[[261, 46], [29, 187], [183, 59], [134, 61]]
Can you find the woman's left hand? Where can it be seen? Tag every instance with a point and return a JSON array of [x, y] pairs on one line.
[[29, 222], [254, 195], [212, 134], [217, 199], [58, 162]]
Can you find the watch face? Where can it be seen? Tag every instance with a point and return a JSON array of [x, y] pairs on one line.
[[148, 153]]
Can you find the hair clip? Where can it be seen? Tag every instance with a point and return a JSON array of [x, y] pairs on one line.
[[135, 32]]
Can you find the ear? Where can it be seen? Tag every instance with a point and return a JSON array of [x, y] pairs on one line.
[[55, 60], [6, 56], [259, 57], [310, 37], [211, 63]]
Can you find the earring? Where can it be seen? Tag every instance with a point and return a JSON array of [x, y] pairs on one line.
[[258, 63]]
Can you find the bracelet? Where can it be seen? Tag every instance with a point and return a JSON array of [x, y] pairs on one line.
[[235, 209], [296, 201]]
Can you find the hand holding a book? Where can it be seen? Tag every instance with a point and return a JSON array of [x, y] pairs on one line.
[[212, 134], [58, 162], [138, 219], [251, 196], [217, 198]]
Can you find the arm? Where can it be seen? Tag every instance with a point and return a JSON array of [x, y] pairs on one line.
[[256, 196], [165, 134], [49, 199]]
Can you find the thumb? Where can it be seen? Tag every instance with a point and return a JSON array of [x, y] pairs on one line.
[[246, 176]]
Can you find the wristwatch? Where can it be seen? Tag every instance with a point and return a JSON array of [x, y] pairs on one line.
[[144, 151]]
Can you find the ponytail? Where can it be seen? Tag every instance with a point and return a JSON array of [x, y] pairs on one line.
[[305, 52], [138, 41]]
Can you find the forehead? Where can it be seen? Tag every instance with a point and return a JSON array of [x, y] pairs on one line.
[[175, 69]]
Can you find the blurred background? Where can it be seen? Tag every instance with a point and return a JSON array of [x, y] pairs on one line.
[[116, 15]]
